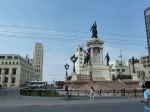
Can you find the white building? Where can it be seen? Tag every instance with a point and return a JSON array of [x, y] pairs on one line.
[[15, 70], [145, 61], [141, 70], [79, 63], [38, 53], [120, 68]]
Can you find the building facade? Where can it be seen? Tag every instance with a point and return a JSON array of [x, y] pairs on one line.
[[147, 25], [38, 54], [79, 63], [15, 70], [145, 61], [120, 68]]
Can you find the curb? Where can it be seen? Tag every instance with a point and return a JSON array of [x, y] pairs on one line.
[[71, 98]]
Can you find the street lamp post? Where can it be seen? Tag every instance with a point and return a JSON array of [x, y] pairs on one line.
[[66, 67], [74, 59]]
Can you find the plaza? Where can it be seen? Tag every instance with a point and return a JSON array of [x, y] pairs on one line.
[[11, 101]]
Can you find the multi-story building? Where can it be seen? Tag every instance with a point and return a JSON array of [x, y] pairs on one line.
[[147, 24], [38, 53], [80, 53], [120, 68], [15, 70], [145, 61]]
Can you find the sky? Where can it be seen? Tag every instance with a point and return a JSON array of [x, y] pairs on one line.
[[62, 25]]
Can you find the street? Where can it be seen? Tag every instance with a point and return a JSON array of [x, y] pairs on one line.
[[10, 102]]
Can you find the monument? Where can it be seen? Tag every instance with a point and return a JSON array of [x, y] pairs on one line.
[[94, 66]]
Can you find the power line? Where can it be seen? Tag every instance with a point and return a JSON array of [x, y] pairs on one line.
[[61, 30], [72, 40], [71, 36]]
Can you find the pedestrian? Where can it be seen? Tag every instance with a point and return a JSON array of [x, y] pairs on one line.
[[92, 93], [67, 93], [142, 84], [146, 98]]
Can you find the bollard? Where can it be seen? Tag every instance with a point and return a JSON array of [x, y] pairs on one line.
[[20, 91], [135, 93], [100, 92]]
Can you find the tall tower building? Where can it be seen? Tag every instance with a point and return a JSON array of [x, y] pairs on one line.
[[38, 53], [147, 24], [80, 54]]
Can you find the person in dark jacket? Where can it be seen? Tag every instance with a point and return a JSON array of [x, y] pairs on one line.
[[67, 92]]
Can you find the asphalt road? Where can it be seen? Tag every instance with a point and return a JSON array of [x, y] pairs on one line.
[[10, 102], [109, 107]]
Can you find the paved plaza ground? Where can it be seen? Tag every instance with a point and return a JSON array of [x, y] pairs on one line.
[[11, 102]]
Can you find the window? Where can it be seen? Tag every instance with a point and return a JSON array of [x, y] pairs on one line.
[[0, 71], [80, 62], [80, 54], [35, 70], [6, 80], [14, 70], [2, 57], [120, 64], [9, 62], [80, 58], [112, 70], [148, 27], [6, 62], [80, 49], [16, 62], [39, 70], [123, 70], [16, 57], [149, 71], [39, 66], [2, 62], [13, 62], [9, 57], [13, 79], [6, 71], [118, 70]]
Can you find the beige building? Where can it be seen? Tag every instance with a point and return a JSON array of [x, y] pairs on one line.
[[15, 70], [120, 68], [38, 53], [145, 61]]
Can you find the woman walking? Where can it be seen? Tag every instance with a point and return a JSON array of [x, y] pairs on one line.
[[92, 93]]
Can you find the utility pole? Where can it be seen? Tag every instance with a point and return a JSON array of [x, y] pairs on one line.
[[121, 62]]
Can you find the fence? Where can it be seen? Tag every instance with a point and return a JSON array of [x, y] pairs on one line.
[[80, 93]]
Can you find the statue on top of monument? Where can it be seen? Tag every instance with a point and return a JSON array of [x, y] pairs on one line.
[[87, 58], [107, 59], [94, 30]]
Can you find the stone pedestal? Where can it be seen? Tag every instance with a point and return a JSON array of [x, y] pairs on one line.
[[74, 76], [65, 78], [97, 72], [135, 77]]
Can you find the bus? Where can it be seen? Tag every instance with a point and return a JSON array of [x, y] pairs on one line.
[[37, 84]]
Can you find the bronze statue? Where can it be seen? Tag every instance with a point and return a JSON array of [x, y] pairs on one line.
[[94, 31], [133, 61], [87, 59], [107, 59]]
